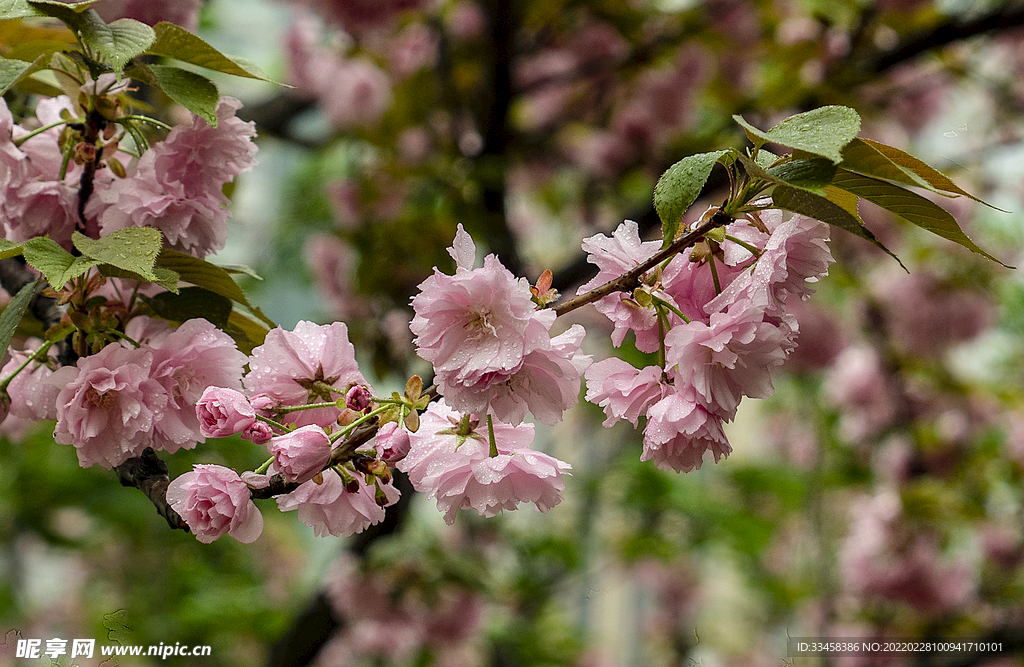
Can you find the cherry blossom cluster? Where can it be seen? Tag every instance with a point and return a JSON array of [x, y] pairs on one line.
[[718, 318]]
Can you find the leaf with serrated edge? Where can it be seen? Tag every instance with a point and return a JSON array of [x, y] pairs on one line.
[[189, 303], [16, 9], [192, 91], [162, 277], [910, 206], [117, 42], [845, 200], [756, 136], [173, 41], [69, 13], [679, 187], [13, 313], [823, 131], [863, 158], [930, 175], [57, 264], [132, 249], [9, 249], [201, 273], [820, 208]]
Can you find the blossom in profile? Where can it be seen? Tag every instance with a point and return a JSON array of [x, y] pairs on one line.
[[458, 470], [623, 391], [108, 405], [300, 454], [32, 396], [679, 431], [329, 509], [296, 368], [392, 443], [213, 500], [223, 412]]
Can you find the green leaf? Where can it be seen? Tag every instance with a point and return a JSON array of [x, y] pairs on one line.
[[809, 174], [201, 273], [14, 311], [173, 41], [910, 206], [192, 302], [163, 277], [845, 200], [246, 332], [863, 158], [69, 13], [118, 42], [132, 249], [57, 264], [815, 206], [16, 9], [679, 187], [931, 176], [11, 71], [765, 159], [241, 269], [9, 249], [823, 131], [192, 91], [754, 135]]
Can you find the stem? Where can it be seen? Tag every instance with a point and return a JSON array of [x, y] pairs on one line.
[[662, 330], [275, 424], [753, 250], [351, 427], [661, 302], [631, 279], [39, 130], [311, 406], [490, 435], [714, 273], [149, 121], [262, 470]]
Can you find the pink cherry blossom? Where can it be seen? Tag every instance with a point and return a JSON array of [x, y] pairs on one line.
[[679, 431], [223, 412], [213, 500], [331, 510], [622, 390], [460, 472], [259, 433], [176, 186], [728, 358], [392, 443], [290, 365], [477, 326], [547, 384], [302, 453], [191, 358], [108, 405], [32, 395]]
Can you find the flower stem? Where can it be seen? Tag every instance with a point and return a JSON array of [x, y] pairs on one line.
[[753, 250], [311, 406], [40, 351], [490, 436], [39, 130], [714, 273], [666, 304], [262, 470], [351, 427], [275, 424], [147, 120]]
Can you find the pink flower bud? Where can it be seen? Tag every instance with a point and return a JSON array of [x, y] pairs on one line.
[[259, 432], [214, 500], [392, 443], [358, 398], [302, 453], [264, 405], [223, 412]]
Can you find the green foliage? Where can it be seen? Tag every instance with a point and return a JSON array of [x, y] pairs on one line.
[[11, 71], [118, 42], [54, 262], [203, 274], [133, 249], [192, 91], [823, 131], [679, 187], [14, 311], [191, 302], [175, 42]]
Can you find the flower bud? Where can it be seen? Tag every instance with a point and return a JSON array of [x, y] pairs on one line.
[[358, 398], [302, 453], [223, 412], [259, 432], [392, 443], [264, 405]]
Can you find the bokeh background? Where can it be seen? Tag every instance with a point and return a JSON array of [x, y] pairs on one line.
[[879, 493]]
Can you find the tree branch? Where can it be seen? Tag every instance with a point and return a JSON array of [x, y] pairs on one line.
[[148, 473]]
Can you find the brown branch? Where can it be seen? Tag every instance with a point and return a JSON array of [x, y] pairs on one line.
[[148, 473], [631, 279]]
